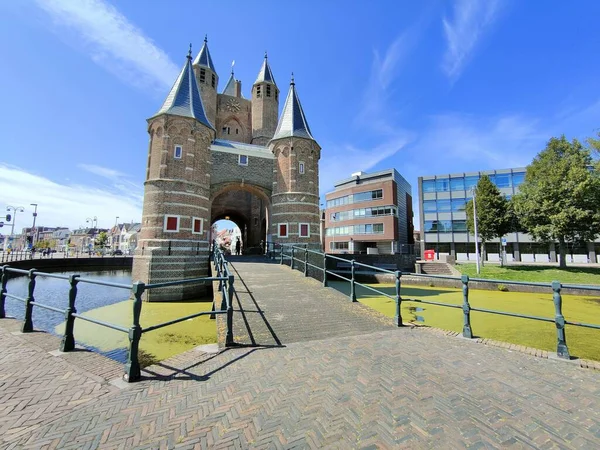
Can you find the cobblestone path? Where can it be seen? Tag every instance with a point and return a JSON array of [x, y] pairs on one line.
[[328, 387]]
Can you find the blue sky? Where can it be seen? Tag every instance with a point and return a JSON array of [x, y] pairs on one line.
[[426, 87]]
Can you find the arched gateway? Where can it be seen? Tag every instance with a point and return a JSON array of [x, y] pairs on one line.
[[213, 156]]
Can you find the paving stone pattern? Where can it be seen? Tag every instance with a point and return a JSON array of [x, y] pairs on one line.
[[385, 388]]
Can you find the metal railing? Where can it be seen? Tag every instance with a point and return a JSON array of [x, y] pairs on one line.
[[26, 255], [135, 331], [298, 255]]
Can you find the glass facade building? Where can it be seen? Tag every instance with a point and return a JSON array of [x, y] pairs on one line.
[[443, 220]]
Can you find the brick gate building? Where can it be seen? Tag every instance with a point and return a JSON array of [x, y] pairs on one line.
[[219, 155]]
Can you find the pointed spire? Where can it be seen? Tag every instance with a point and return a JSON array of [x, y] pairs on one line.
[[184, 98], [292, 122], [230, 87], [264, 74], [203, 59]]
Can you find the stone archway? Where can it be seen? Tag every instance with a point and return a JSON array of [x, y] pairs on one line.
[[247, 205]]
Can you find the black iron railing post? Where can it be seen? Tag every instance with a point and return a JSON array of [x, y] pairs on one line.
[[324, 269], [292, 260], [281, 254], [398, 318], [132, 368], [561, 347], [229, 336], [306, 262], [68, 340], [352, 285], [466, 307], [28, 321], [3, 291]]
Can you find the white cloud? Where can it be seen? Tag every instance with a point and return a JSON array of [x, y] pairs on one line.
[[112, 41], [66, 204], [470, 21]]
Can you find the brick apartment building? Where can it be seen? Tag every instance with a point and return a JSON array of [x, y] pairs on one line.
[[369, 213]]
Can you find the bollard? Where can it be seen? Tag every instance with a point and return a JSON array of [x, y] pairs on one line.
[[292, 260], [3, 291], [561, 347], [352, 286], [306, 262], [467, 332], [324, 269], [27, 321], [132, 368], [68, 340], [229, 336], [398, 318]]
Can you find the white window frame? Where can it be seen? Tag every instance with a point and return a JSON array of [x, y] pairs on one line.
[[287, 230], [180, 151], [167, 216], [240, 160], [300, 229], [301, 167], [201, 225]]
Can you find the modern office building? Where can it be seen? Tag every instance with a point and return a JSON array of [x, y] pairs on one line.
[[443, 220], [369, 213]]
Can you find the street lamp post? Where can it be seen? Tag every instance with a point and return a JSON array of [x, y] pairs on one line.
[[15, 210], [113, 237], [35, 205], [474, 190], [94, 222]]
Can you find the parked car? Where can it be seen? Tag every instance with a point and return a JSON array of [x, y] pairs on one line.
[[117, 252]]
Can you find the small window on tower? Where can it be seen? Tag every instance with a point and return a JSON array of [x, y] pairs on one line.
[[178, 152], [197, 225], [214, 80], [282, 230], [301, 167], [258, 91], [171, 224], [304, 229], [268, 90], [202, 76], [243, 160], [237, 131]]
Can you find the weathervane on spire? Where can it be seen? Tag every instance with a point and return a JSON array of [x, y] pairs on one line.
[[232, 64], [292, 82], [205, 38], [190, 52]]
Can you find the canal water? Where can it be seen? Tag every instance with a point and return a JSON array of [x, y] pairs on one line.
[[112, 305]]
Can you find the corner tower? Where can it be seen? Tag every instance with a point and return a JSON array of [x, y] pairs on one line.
[[295, 197], [265, 105], [208, 80], [173, 240]]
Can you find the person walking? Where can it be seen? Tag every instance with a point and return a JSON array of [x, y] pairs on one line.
[[238, 246]]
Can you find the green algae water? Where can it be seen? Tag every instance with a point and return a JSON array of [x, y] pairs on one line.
[[155, 345], [582, 342]]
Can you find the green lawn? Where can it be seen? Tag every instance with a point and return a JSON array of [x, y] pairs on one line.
[[570, 275], [156, 345], [582, 342]]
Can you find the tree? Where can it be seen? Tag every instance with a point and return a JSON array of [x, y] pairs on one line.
[[493, 212], [560, 198], [101, 239]]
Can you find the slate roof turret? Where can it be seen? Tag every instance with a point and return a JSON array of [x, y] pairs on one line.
[[264, 74], [292, 122], [230, 86], [203, 59], [184, 98]]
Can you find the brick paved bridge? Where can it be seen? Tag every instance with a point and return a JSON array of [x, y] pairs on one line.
[[325, 374]]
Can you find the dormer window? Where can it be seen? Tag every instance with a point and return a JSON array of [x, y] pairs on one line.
[[258, 94], [202, 76], [268, 90], [243, 160]]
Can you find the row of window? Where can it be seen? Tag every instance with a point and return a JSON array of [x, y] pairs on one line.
[[355, 198], [267, 93], [449, 205], [203, 78], [501, 180], [283, 230], [363, 228], [227, 130], [445, 226], [363, 212], [172, 224]]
